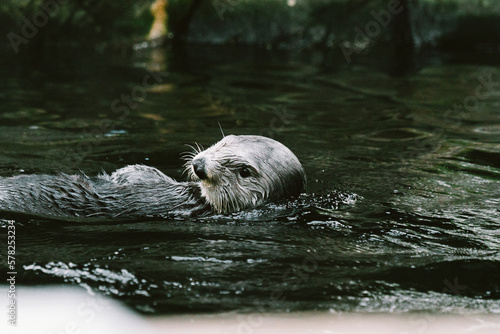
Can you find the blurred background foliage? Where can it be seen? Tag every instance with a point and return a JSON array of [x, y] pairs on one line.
[[99, 24]]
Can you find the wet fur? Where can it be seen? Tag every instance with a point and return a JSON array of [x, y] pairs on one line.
[[132, 191], [142, 191], [275, 173]]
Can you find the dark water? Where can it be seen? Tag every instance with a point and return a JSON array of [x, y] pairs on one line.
[[406, 168]]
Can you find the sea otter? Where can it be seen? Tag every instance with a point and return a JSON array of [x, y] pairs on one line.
[[238, 172]]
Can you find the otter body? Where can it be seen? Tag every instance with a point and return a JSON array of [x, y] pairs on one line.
[[132, 191], [238, 172]]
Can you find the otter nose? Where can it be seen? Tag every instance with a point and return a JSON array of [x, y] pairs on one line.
[[199, 168]]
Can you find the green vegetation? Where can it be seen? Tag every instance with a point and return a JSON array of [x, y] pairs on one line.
[[455, 24]]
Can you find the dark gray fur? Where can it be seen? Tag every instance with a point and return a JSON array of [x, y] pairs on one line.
[[141, 191], [121, 194]]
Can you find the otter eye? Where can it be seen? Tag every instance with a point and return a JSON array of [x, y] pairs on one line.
[[245, 172]]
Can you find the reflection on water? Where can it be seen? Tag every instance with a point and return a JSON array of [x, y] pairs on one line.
[[402, 211]]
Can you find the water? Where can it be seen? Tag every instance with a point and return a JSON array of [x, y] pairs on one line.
[[402, 211]]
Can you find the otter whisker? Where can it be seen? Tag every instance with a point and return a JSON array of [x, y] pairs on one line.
[[188, 156], [187, 169], [184, 171], [196, 150], [200, 147], [220, 127]]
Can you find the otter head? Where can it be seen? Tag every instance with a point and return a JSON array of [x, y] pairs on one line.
[[241, 172]]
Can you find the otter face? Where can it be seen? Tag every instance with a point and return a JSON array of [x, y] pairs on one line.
[[241, 172]]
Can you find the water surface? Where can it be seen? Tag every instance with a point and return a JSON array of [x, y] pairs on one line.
[[402, 210]]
